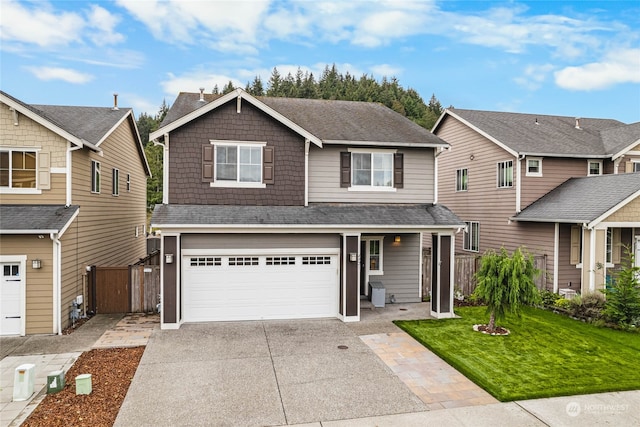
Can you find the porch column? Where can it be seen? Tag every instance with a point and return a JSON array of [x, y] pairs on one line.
[[442, 258], [169, 318], [350, 283]]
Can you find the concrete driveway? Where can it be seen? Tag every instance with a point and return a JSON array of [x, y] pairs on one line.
[[261, 373]]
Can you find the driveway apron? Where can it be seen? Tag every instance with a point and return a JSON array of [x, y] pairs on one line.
[[261, 373]]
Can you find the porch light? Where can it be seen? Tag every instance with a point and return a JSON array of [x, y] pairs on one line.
[[36, 264], [396, 239]]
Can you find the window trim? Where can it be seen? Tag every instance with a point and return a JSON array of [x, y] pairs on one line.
[[468, 240], [115, 182], [536, 174], [22, 190], [635, 165], [371, 187], [600, 166], [237, 184], [462, 184], [96, 176], [504, 164]]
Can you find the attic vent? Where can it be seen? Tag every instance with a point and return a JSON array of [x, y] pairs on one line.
[[115, 102], [537, 121], [201, 94], [577, 122]]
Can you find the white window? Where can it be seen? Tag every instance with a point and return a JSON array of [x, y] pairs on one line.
[[534, 166], [128, 182], [636, 165], [374, 256], [236, 163], [594, 167], [372, 169], [471, 238], [505, 174], [17, 169], [95, 176], [462, 179], [115, 182]]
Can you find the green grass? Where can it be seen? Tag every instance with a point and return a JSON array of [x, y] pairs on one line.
[[545, 355]]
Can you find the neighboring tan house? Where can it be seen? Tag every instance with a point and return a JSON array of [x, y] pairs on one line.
[[509, 177], [278, 208], [73, 192]]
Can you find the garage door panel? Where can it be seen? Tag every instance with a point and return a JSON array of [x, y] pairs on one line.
[[280, 287]]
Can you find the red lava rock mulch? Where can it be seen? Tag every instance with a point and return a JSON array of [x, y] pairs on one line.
[[111, 370]]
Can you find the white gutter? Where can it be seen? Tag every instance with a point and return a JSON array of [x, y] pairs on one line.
[[165, 167], [518, 182], [307, 144], [57, 297]]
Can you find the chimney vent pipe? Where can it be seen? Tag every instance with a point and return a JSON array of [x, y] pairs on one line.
[[115, 102], [201, 94], [577, 122]]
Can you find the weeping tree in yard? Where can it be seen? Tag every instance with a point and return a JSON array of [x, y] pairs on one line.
[[505, 283]]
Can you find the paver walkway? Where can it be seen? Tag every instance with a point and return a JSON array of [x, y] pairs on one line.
[[436, 383], [132, 331]]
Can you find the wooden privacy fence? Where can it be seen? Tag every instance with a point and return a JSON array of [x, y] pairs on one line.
[[145, 288], [465, 268]]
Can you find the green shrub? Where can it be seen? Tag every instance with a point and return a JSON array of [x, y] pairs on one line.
[[622, 305], [549, 298], [563, 303]]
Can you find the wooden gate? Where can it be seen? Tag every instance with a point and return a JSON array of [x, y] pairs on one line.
[[111, 289], [145, 288]]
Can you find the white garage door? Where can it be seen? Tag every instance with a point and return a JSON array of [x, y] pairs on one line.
[[253, 287]]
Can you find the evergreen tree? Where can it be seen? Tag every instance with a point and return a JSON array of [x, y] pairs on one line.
[[274, 83], [623, 294], [228, 88]]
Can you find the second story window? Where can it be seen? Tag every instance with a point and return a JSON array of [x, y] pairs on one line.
[[17, 169], [372, 169], [534, 166], [238, 163], [505, 174], [462, 179], [115, 182], [594, 167], [95, 176]]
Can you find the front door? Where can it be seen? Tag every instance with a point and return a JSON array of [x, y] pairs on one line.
[[11, 299]]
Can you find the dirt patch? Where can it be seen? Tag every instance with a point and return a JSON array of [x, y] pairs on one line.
[[111, 370]]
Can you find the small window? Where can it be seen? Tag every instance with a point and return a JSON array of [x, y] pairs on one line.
[[505, 174], [316, 260], [462, 176], [18, 169], [115, 182], [95, 176], [281, 260], [636, 166], [372, 169], [137, 231], [534, 166], [128, 182], [240, 261], [374, 252], [205, 261], [471, 238], [595, 167]]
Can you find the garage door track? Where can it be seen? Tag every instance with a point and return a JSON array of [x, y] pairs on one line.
[[261, 373]]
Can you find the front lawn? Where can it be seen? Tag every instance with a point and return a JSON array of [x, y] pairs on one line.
[[545, 355]]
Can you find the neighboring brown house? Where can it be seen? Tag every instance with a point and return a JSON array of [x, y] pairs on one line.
[[73, 191], [278, 208], [515, 180]]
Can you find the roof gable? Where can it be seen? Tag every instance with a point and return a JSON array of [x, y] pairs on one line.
[[544, 135], [320, 121]]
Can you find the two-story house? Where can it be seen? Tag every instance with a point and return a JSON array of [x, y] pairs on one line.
[[564, 187], [73, 192], [278, 208]]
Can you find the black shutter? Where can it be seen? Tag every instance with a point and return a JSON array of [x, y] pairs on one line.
[[398, 170], [345, 169], [267, 165], [207, 163]]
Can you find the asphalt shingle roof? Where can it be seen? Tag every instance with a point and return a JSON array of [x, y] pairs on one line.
[[537, 134], [328, 119], [35, 218], [581, 200], [315, 215]]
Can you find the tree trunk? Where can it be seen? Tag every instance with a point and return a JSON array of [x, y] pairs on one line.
[[492, 322]]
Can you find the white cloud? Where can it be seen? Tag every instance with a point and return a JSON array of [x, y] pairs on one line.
[[534, 76], [622, 66], [65, 74], [386, 70], [192, 82], [41, 25]]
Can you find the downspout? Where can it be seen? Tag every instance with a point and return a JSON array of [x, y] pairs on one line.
[[57, 297], [556, 252], [518, 182], [616, 164], [165, 168], [307, 143]]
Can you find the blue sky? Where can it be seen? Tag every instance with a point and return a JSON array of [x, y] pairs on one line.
[[573, 58]]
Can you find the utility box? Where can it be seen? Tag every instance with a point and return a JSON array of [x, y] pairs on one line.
[[377, 293], [23, 382], [83, 384], [55, 382]]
